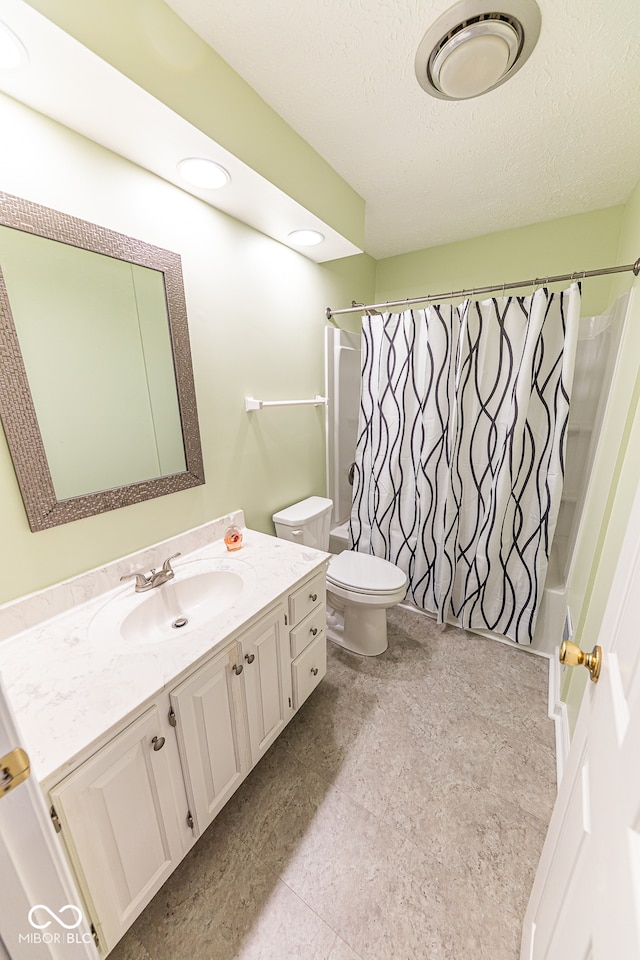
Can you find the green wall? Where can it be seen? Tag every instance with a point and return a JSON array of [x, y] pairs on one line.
[[585, 241], [147, 42], [256, 321]]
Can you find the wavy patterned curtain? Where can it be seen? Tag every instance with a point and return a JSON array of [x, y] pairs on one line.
[[460, 452]]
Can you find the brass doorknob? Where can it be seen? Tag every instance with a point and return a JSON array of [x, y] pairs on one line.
[[572, 656]]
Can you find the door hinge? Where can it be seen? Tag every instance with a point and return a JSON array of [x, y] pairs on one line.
[[290, 704], [286, 622], [55, 819], [190, 819], [94, 934], [172, 718], [14, 770]]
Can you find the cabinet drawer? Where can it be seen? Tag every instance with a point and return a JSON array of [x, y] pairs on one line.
[[308, 669], [304, 633], [306, 598]]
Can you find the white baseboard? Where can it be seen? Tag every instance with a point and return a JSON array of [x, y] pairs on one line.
[[559, 715]]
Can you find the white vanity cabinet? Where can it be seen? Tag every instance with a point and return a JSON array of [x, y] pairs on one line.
[[123, 818], [132, 810]]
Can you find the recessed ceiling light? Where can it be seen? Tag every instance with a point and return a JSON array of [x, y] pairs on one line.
[[12, 52], [306, 238], [202, 173], [476, 46]]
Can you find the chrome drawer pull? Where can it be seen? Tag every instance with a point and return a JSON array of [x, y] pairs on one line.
[[313, 630], [313, 597], [158, 743], [237, 668], [314, 671], [249, 657]]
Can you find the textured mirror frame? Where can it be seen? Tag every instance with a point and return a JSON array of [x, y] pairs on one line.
[[17, 410]]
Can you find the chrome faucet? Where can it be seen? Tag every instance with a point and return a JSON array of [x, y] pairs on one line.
[[155, 578]]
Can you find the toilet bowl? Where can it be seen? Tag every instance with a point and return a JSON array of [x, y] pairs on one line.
[[360, 588]]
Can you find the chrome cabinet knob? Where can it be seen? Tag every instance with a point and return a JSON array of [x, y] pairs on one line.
[[249, 657], [314, 630], [313, 597], [158, 743], [237, 668], [314, 671]]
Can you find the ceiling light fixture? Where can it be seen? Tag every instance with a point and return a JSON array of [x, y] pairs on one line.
[[206, 174], [476, 46], [306, 238], [12, 52]]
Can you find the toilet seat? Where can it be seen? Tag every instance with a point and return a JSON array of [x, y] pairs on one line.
[[361, 573], [358, 599]]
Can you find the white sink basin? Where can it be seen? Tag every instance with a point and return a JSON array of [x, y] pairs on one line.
[[193, 599], [180, 606]]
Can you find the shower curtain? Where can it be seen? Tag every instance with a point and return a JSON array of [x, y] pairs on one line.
[[459, 461]]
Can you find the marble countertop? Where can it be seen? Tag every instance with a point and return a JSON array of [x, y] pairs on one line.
[[70, 679]]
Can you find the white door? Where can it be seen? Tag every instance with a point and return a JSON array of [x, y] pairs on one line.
[[585, 902], [39, 902]]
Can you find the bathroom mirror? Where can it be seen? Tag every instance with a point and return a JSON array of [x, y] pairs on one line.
[[97, 397]]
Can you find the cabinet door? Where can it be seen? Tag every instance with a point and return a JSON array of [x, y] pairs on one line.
[[267, 672], [208, 737], [124, 823]]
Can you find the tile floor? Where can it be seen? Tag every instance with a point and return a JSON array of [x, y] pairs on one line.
[[400, 816]]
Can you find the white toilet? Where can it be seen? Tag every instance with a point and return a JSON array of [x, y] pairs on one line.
[[360, 587]]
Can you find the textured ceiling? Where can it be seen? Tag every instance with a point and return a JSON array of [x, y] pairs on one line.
[[561, 137]]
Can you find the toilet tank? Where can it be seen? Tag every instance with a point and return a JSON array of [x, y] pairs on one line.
[[307, 522]]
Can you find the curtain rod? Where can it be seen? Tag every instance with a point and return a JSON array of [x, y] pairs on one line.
[[429, 298]]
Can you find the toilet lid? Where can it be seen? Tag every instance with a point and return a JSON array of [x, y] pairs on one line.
[[361, 571]]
